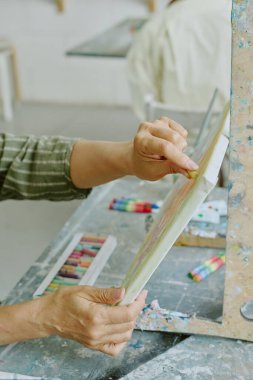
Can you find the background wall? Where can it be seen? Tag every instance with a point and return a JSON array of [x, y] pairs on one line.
[[42, 36]]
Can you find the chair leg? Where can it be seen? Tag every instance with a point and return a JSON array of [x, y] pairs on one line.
[[60, 5], [6, 88], [151, 5], [16, 81]]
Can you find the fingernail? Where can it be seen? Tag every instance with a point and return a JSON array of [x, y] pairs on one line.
[[145, 292], [192, 165]]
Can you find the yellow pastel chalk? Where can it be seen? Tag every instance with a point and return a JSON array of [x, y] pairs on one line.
[[193, 174]]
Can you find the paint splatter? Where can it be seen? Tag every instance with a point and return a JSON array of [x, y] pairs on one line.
[[234, 201], [155, 318], [244, 44], [136, 344], [235, 249], [244, 101], [246, 253], [237, 290], [230, 186], [241, 250], [236, 165]]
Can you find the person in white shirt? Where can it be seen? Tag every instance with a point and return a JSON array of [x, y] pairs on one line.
[[181, 55]]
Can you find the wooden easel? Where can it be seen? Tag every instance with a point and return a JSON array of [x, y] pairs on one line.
[[237, 320]]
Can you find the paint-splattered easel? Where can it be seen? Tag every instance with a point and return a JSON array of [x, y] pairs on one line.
[[237, 321]]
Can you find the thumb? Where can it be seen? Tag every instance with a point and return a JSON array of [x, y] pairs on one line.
[[106, 296]]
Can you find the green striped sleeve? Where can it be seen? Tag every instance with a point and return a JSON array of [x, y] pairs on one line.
[[37, 168]]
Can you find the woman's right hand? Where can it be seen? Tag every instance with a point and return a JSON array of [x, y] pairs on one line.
[[82, 313]]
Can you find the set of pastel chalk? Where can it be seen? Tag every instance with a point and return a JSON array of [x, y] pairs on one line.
[[133, 205], [208, 267], [80, 264]]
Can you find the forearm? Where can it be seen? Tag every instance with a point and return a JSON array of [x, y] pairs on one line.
[[22, 321], [37, 168], [93, 163]]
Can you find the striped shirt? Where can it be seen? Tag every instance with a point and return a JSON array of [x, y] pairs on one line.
[[37, 168]]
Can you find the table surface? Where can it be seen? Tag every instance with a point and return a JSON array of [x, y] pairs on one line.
[[114, 42], [56, 357]]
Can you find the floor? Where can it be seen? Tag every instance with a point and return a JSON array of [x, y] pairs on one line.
[[24, 226]]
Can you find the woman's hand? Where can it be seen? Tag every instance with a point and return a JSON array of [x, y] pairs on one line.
[[82, 313], [158, 150]]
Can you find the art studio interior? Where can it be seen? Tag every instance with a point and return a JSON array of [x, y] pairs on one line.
[[126, 189]]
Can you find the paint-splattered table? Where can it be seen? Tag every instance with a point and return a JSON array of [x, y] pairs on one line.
[[200, 358], [56, 357]]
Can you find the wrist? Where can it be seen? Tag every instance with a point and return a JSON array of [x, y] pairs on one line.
[[23, 321], [37, 316], [127, 158], [44, 316], [93, 163]]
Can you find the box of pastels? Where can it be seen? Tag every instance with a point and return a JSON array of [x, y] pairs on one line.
[[80, 263]]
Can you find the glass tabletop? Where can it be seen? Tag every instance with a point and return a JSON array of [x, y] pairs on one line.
[[114, 42]]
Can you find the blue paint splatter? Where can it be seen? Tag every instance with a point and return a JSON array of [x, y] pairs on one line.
[[135, 344], [238, 11], [230, 185], [244, 44], [236, 200], [236, 166], [244, 101]]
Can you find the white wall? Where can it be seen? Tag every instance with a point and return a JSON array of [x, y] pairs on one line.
[[42, 36]]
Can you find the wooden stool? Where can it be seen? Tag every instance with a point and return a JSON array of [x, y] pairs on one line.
[[151, 5], [8, 78]]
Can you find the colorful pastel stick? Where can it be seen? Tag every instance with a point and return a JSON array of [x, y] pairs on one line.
[[93, 239], [206, 264], [68, 268], [72, 263], [85, 264], [208, 267], [49, 290], [53, 286], [89, 252], [192, 174], [95, 246], [131, 208], [69, 275], [81, 269], [65, 281], [75, 255], [86, 258], [132, 205]]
